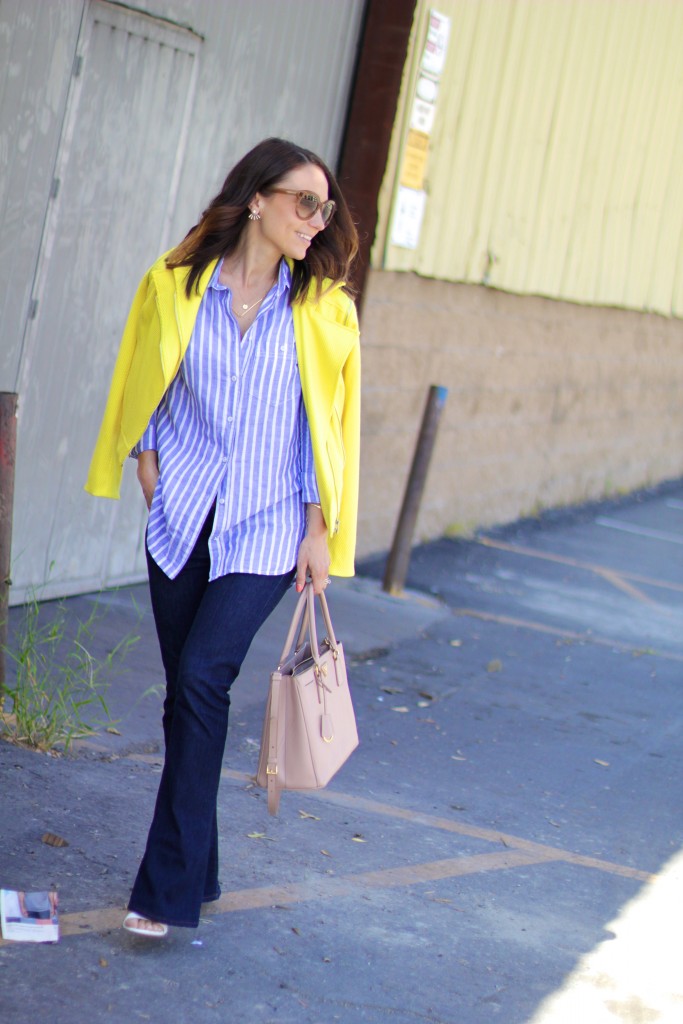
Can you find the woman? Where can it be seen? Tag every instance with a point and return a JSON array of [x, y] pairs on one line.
[[237, 387]]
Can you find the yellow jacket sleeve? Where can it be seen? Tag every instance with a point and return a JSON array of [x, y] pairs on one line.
[[326, 332], [106, 465], [342, 544]]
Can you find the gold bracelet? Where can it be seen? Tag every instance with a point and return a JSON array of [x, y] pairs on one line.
[[315, 504]]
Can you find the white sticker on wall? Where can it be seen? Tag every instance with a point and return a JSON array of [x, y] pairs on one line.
[[422, 116], [434, 55], [409, 209]]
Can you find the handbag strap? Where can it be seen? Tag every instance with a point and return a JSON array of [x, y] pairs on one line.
[[303, 621], [298, 615], [272, 754], [328, 620]]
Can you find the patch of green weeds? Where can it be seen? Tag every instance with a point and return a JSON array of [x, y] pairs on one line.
[[57, 693], [460, 530]]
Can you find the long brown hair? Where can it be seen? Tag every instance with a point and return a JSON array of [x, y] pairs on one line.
[[218, 233]]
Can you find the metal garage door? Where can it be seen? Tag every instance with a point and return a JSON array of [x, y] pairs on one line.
[[119, 159]]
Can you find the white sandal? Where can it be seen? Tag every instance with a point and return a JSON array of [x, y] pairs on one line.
[[151, 933]]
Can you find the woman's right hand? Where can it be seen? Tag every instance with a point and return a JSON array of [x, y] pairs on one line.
[[148, 474]]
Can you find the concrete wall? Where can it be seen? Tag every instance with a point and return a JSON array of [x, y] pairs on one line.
[[549, 403]]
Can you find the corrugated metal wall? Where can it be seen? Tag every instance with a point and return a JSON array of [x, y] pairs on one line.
[[116, 128], [554, 163]]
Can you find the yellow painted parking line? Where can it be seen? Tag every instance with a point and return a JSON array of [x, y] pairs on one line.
[[517, 852], [537, 851], [601, 570], [324, 887], [332, 887], [622, 584], [565, 634]]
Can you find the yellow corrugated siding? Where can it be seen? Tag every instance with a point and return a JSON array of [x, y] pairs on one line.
[[555, 160]]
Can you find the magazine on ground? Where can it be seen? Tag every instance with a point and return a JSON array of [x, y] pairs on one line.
[[29, 916]]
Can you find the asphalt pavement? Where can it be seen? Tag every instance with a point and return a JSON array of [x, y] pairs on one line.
[[505, 844]]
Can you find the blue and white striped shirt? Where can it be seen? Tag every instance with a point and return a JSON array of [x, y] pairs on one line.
[[232, 429]]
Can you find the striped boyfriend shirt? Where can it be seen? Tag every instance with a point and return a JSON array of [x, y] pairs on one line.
[[232, 430]]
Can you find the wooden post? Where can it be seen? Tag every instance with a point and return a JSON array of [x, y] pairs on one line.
[[8, 441], [399, 556]]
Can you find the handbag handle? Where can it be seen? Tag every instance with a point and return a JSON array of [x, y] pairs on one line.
[[303, 620]]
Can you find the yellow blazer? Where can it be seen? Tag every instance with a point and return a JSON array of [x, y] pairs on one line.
[[156, 336]]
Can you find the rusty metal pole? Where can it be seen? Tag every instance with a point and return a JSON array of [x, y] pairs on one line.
[[8, 441], [399, 556]]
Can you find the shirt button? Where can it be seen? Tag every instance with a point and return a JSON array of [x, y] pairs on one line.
[[234, 377], [224, 459], [221, 501], [229, 419]]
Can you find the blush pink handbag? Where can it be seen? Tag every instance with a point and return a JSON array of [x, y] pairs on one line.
[[309, 729]]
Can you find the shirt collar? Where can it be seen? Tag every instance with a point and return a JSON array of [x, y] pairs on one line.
[[283, 283]]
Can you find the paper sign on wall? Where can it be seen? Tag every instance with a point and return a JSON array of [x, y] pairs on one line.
[[434, 55], [410, 198], [409, 208], [415, 159]]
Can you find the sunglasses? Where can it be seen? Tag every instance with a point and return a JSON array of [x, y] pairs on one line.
[[307, 204]]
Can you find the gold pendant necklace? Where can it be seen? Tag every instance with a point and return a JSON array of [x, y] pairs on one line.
[[246, 308]]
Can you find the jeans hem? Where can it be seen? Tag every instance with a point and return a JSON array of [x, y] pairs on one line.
[[212, 899]]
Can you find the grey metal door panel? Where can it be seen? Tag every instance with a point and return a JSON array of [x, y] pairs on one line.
[[117, 168], [37, 43]]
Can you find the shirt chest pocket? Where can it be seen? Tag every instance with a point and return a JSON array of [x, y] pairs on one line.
[[272, 378]]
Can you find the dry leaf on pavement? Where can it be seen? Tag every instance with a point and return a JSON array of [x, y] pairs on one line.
[[50, 839]]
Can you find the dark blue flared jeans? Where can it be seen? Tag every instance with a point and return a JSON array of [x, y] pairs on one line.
[[205, 630]]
